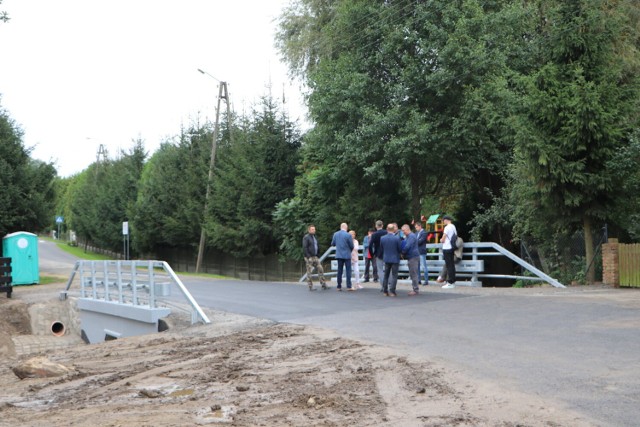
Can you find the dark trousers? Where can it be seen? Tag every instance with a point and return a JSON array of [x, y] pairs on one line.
[[370, 262], [342, 263], [414, 272], [449, 262], [390, 277]]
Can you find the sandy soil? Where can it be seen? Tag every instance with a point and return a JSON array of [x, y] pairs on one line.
[[243, 371]]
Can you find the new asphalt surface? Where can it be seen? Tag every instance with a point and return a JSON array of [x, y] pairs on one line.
[[579, 347]]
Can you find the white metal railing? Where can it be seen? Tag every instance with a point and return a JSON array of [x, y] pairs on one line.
[[473, 251], [137, 283]]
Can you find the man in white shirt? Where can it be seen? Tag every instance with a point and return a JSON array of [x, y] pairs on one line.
[[449, 234]]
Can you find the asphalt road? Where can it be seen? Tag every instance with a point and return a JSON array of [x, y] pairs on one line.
[[54, 261], [579, 347]]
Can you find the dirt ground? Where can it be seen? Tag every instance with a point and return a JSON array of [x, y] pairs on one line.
[[242, 371]]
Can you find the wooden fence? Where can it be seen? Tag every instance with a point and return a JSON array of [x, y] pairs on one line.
[[629, 265]]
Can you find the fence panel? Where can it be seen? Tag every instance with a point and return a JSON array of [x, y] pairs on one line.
[[629, 265]]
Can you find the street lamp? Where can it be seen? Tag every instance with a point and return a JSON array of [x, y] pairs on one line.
[[204, 72], [222, 94]]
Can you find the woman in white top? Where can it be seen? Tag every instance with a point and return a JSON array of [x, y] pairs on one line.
[[449, 234], [354, 261]]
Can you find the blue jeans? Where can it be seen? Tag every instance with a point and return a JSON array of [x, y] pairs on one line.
[[423, 269], [342, 263]]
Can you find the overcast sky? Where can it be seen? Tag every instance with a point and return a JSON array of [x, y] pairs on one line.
[[79, 73]]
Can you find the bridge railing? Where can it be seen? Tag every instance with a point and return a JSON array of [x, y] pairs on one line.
[[473, 251], [133, 283]]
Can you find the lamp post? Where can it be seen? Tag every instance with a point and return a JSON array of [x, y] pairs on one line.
[[222, 94]]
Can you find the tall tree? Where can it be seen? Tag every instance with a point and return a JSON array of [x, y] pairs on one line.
[[102, 198], [169, 206], [26, 185], [581, 106], [401, 93], [254, 172]]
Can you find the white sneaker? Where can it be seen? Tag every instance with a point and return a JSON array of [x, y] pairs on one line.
[[448, 286]]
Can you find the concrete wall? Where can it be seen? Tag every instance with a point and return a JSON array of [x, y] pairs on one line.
[[102, 319], [44, 314]]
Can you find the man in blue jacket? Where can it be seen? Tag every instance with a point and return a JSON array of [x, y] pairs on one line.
[[412, 255], [421, 235], [374, 249], [343, 243], [389, 252]]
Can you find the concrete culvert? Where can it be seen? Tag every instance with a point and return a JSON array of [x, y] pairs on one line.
[[57, 329], [163, 325]]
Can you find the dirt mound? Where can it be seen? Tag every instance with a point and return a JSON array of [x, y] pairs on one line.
[[243, 371], [268, 375]]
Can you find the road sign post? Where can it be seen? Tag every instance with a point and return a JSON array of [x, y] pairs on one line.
[[59, 221], [125, 239]]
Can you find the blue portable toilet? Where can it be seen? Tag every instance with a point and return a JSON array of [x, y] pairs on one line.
[[22, 248]]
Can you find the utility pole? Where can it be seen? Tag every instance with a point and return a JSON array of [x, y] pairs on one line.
[[101, 157], [223, 93]]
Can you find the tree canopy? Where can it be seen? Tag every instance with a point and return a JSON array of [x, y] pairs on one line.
[[26, 185], [517, 117], [506, 113]]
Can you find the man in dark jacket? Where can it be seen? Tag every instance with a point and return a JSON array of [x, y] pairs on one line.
[[390, 247], [412, 255], [310, 250], [421, 236], [343, 243], [369, 260], [374, 246]]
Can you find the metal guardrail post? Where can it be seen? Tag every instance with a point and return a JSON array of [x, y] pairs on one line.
[[119, 278], [152, 286], [83, 289], [106, 280], [134, 283], [93, 279], [474, 257]]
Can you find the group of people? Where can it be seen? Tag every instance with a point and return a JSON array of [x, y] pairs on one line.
[[383, 250]]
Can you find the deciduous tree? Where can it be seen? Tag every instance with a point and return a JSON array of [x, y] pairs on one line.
[[581, 106]]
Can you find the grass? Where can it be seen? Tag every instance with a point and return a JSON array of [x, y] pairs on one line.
[[78, 252], [47, 280]]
